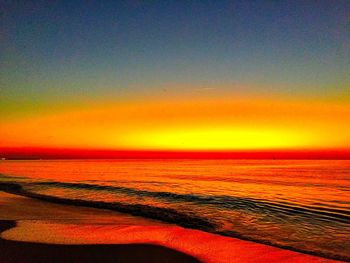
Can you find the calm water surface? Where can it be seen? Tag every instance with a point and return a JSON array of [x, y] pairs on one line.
[[303, 205]]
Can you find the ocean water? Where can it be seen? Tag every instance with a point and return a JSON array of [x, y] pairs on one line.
[[302, 205]]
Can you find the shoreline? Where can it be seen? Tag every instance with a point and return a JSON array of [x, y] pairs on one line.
[[44, 223]]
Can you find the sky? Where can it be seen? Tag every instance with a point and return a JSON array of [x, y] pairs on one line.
[[175, 75]]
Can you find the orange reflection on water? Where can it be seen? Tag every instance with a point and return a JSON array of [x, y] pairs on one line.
[[297, 180], [298, 203]]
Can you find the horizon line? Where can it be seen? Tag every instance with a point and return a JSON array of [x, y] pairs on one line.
[[25, 153]]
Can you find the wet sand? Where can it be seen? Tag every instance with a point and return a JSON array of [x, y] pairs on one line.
[[38, 231], [16, 251]]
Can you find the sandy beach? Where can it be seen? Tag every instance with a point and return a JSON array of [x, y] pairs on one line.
[[38, 231], [15, 251], [15, 210]]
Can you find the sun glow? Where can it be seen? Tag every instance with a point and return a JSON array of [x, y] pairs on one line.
[[219, 139], [200, 124]]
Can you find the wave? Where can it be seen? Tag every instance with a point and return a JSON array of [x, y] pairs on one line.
[[227, 202], [165, 214]]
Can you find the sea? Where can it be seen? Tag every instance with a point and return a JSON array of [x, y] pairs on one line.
[[302, 205]]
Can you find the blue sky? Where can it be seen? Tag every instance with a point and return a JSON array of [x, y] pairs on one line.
[[76, 50]]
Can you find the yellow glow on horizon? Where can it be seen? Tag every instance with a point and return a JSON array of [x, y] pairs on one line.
[[220, 139], [204, 124]]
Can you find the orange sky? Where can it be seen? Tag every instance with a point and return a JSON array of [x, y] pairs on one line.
[[159, 78], [239, 123]]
